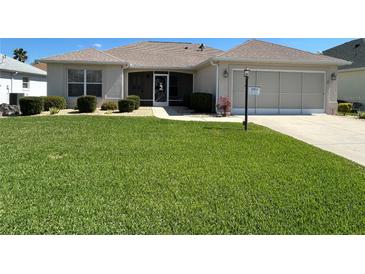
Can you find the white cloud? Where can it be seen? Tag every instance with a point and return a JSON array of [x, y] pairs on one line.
[[97, 45]]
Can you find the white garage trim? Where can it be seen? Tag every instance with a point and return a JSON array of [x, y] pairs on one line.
[[280, 110]]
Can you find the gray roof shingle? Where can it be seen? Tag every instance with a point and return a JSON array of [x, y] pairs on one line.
[[90, 56], [163, 54], [353, 51], [261, 51]]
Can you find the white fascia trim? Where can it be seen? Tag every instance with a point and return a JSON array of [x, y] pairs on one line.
[[351, 69], [132, 66], [83, 62], [276, 61]]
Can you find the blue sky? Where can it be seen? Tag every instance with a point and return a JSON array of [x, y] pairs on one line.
[[43, 47]]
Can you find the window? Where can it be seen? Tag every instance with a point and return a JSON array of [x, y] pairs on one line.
[[93, 82], [25, 83], [75, 82], [84, 82]]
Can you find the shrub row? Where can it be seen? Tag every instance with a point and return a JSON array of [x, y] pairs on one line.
[[88, 104], [32, 105], [199, 101]]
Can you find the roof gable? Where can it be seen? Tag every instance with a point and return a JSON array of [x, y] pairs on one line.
[[89, 56], [256, 50], [353, 51]]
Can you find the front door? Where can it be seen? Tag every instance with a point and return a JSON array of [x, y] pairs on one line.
[[161, 90]]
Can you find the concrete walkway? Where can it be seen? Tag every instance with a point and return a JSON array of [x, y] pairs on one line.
[[343, 136]]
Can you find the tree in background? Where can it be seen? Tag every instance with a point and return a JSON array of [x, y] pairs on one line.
[[20, 55]]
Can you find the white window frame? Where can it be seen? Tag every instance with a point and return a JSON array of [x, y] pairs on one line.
[[28, 83], [84, 83]]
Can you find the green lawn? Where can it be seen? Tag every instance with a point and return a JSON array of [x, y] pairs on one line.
[[115, 175]]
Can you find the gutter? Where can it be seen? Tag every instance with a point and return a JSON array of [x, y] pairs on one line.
[[216, 83], [276, 61], [11, 81], [123, 68]]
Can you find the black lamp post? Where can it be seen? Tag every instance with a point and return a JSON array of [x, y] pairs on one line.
[[246, 73]]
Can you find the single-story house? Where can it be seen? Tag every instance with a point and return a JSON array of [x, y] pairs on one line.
[[18, 79], [351, 77], [162, 73]]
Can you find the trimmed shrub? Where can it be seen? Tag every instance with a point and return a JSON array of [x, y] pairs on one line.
[[109, 105], [31, 105], [53, 101], [344, 108], [201, 102], [54, 110], [136, 99], [126, 105], [362, 115], [86, 103]]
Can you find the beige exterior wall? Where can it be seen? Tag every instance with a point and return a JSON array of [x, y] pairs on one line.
[[205, 80], [111, 81], [330, 86], [351, 86]]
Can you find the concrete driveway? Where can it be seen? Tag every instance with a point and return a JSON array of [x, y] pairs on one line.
[[341, 135]]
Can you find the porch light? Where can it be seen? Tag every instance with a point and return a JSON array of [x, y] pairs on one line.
[[225, 73], [333, 76]]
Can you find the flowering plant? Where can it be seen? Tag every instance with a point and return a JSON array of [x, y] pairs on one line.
[[224, 105]]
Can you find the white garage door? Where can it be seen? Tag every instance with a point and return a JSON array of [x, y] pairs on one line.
[[282, 92]]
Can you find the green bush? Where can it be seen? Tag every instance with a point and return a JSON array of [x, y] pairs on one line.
[[136, 99], [86, 103], [31, 105], [344, 108], [126, 105], [201, 102], [54, 110], [53, 101], [109, 105], [362, 115]]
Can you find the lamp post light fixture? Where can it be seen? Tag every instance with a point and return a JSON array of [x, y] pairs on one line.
[[246, 74]]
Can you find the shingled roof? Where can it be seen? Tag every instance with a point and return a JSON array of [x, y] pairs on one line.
[[260, 51], [353, 51], [89, 56], [173, 55], [164, 54], [10, 64]]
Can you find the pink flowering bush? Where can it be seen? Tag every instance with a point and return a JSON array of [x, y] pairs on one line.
[[224, 105]]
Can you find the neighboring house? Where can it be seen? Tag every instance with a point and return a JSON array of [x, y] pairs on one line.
[[18, 79], [162, 73], [351, 78], [40, 65]]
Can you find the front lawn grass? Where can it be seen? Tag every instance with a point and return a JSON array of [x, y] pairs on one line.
[[124, 175]]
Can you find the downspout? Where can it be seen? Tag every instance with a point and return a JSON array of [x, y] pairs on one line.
[[216, 83], [123, 68], [11, 81]]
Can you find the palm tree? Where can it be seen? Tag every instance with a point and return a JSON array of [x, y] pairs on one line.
[[20, 55]]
